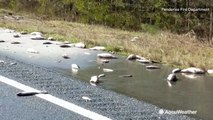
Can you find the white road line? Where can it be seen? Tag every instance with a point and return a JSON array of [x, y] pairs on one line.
[[65, 104]]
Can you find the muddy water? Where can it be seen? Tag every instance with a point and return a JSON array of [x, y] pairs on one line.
[[150, 86], [194, 94]]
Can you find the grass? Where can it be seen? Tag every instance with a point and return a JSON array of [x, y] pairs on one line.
[[172, 49]]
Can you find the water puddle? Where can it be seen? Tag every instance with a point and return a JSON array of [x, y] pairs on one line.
[[190, 92]]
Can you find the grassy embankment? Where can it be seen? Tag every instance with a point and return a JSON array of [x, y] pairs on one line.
[[169, 48]]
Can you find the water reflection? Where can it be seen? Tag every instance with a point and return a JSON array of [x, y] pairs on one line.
[[191, 76]]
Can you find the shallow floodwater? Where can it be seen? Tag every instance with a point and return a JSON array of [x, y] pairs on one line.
[[151, 86], [188, 93]]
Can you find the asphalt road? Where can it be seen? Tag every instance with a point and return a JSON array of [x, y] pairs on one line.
[[104, 102], [13, 107]]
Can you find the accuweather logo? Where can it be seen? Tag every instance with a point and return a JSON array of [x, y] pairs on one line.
[[183, 112]]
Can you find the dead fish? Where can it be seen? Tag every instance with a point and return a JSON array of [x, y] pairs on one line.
[[106, 55], [131, 57], [98, 48], [16, 35], [80, 45], [125, 76], [1, 41], [47, 43], [13, 64], [103, 61], [172, 77], [94, 79], [66, 42], [210, 71], [152, 67], [23, 32], [176, 70], [16, 42], [86, 98], [65, 46], [37, 37], [101, 75], [107, 70], [31, 93], [75, 66], [36, 33]]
